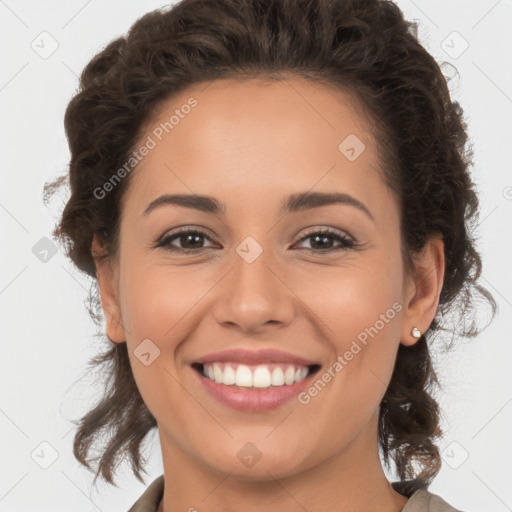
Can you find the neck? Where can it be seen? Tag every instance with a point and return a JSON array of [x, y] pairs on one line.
[[351, 480]]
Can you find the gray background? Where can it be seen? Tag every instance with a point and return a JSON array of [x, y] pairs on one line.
[[48, 337]]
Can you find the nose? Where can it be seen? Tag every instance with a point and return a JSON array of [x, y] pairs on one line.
[[253, 297]]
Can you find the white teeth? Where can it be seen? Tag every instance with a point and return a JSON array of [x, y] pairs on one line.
[[289, 375], [229, 376], [262, 377], [217, 373], [277, 377], [243, 376]]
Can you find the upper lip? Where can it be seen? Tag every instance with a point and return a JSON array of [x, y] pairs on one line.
[[245, 356]]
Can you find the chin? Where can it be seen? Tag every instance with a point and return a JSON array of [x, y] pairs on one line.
[[248, 462]]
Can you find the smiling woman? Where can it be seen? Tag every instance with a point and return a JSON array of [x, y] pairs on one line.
[[273, 264]]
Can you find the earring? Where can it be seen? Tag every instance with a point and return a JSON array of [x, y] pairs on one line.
[[416, 333]]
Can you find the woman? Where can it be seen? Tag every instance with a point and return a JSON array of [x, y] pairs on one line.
[[274, 199]]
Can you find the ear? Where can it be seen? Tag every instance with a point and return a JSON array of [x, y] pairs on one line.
[[107, 283], [423, 290]]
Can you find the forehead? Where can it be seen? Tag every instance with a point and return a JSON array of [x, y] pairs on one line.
[[244, 138], [294, 106]]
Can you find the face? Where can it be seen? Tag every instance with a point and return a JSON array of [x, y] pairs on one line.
[[276, 279]]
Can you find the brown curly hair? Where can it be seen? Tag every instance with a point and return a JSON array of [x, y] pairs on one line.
[[365, 47]]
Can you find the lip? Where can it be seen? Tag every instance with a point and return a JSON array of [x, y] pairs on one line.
[[255, 400], [251, 399], [244, 356]]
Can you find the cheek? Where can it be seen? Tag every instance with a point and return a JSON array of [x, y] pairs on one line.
[[154, 304], [369, 324], [350, 299], [154, 299], [360, 311]]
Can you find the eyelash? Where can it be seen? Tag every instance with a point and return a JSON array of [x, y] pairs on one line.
[[346, 243]]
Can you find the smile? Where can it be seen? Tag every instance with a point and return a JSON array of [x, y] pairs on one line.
[[254, 388], [255, 376]]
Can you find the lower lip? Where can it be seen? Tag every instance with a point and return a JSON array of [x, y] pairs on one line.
[[252, 399]]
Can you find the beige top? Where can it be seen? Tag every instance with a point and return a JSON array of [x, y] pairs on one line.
[[420, 501]]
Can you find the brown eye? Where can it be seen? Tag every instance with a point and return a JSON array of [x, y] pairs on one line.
[[190, 240], [321, 241]]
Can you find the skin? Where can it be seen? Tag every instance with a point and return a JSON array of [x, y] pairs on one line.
[[250, 144]]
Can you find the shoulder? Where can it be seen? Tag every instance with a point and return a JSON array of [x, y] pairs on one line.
[[420, 500], [423, 500], [150, 499]]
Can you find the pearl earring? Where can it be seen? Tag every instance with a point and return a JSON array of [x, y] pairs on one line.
[[416, 333]]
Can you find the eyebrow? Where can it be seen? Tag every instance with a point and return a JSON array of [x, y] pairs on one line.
[[294, 203]]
